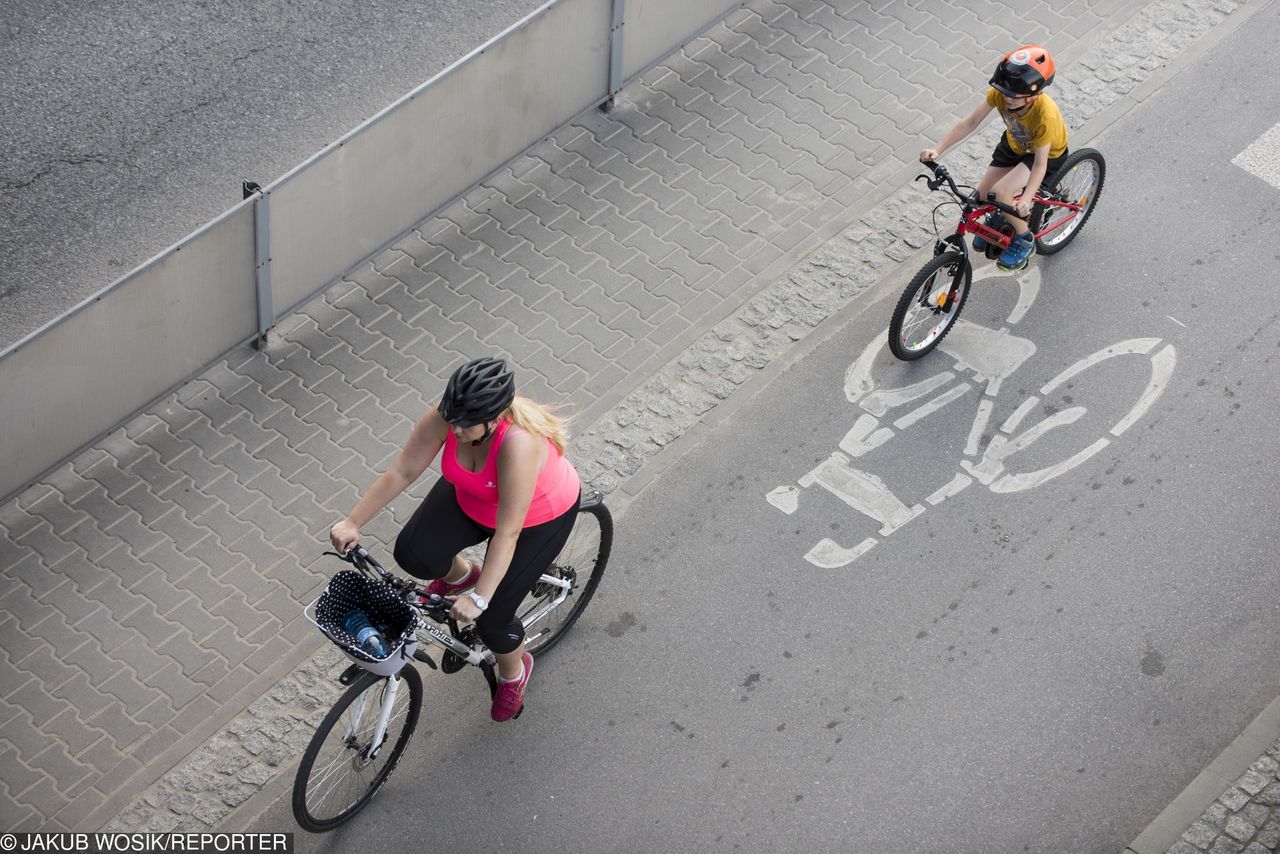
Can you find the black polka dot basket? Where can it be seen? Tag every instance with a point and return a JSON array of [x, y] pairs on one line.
[[387, 611]]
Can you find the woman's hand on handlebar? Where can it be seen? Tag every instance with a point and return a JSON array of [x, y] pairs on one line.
[[345, 536], [929, 155], [464, 610]]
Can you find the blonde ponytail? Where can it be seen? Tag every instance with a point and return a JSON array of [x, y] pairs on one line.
[[539, 420]]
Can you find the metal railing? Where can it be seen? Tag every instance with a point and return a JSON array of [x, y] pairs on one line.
[[227, 283]]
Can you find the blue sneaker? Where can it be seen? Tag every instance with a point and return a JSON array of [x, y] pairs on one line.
[[993, 221], [1020, 250]]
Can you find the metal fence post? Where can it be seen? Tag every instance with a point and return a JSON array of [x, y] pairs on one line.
[[262, 259], [615, 53]]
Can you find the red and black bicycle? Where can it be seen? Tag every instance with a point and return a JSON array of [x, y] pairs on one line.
[[930, 305]]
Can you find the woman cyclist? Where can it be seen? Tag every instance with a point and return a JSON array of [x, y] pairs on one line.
[[506, 480], [1032, 147]]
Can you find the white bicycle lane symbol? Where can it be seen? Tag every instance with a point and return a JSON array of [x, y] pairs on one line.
[[989, 357]]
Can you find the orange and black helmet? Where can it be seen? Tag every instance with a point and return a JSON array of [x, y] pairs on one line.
[[1023, 72]]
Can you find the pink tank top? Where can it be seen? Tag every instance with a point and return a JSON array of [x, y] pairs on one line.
[[555, 492]]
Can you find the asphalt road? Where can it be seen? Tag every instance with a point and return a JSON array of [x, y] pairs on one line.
[[125, 125], [1039, 670]]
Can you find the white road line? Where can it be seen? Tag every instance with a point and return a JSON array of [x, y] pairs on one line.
[[1262, 157], [1133, 345], [1028, 289], [828, 554], [979, 424], [1011, 423], [957, 484], [1162, 364], [785, 498], [864, 436], [881, 401], [1031, 479], [932, 406], [862, 491]]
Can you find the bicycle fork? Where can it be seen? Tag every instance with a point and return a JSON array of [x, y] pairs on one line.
[[379, 735]]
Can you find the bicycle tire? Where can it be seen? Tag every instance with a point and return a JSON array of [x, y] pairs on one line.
[[308, 801], [915, 298], [1092, 178], [582, 560]]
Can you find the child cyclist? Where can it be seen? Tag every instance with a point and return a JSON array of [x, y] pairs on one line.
[[1031, 148]]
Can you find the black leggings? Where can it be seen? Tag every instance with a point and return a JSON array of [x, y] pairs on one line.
[[439, 530]]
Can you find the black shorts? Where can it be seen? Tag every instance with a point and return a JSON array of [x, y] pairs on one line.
[[439, 529], [1004, 156]]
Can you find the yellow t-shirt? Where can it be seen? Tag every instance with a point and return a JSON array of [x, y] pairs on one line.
[[1040, 124]]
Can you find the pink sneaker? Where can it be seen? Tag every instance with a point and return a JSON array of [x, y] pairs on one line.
[[509, 701], [440, 587]]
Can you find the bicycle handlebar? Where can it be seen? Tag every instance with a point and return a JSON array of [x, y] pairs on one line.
[[942, 176]]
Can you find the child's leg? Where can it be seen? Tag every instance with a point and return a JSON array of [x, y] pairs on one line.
[[1009, 186], [991, 178]]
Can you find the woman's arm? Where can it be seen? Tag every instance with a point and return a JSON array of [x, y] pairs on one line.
[[421, 448], [520, 458], [962, 128]]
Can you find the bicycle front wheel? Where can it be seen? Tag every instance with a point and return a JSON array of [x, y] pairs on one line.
[[1079, 181], [568, 585], [929, 306], [343, 768]]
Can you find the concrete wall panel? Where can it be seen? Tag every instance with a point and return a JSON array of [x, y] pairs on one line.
[[116, 353], [654, 27], [111, 356], [435, 144]]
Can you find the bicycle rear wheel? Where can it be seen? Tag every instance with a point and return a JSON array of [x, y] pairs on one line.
[[337, 776], [1079, 181], [575, 572], [926, 312]]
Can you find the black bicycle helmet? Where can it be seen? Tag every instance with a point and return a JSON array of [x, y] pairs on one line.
[[1024, 72], [478, 392]]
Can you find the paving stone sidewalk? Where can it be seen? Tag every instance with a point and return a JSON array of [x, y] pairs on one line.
[[154, 593], [1245, 819]]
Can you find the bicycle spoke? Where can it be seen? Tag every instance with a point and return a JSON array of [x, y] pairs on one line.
[[1078, 186], [926, 316], [555, 603], [337, 777], [929, 306]]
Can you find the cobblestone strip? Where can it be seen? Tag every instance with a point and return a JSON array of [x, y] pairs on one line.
[[357, 326], [1245, 819]]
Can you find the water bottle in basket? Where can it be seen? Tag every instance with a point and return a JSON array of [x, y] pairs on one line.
[[370, 639]]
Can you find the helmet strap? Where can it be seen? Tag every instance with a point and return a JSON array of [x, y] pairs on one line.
[[488, 431]]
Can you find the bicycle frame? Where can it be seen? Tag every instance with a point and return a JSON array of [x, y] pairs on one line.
[[477, 656], [974, 212], [973, 221]]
